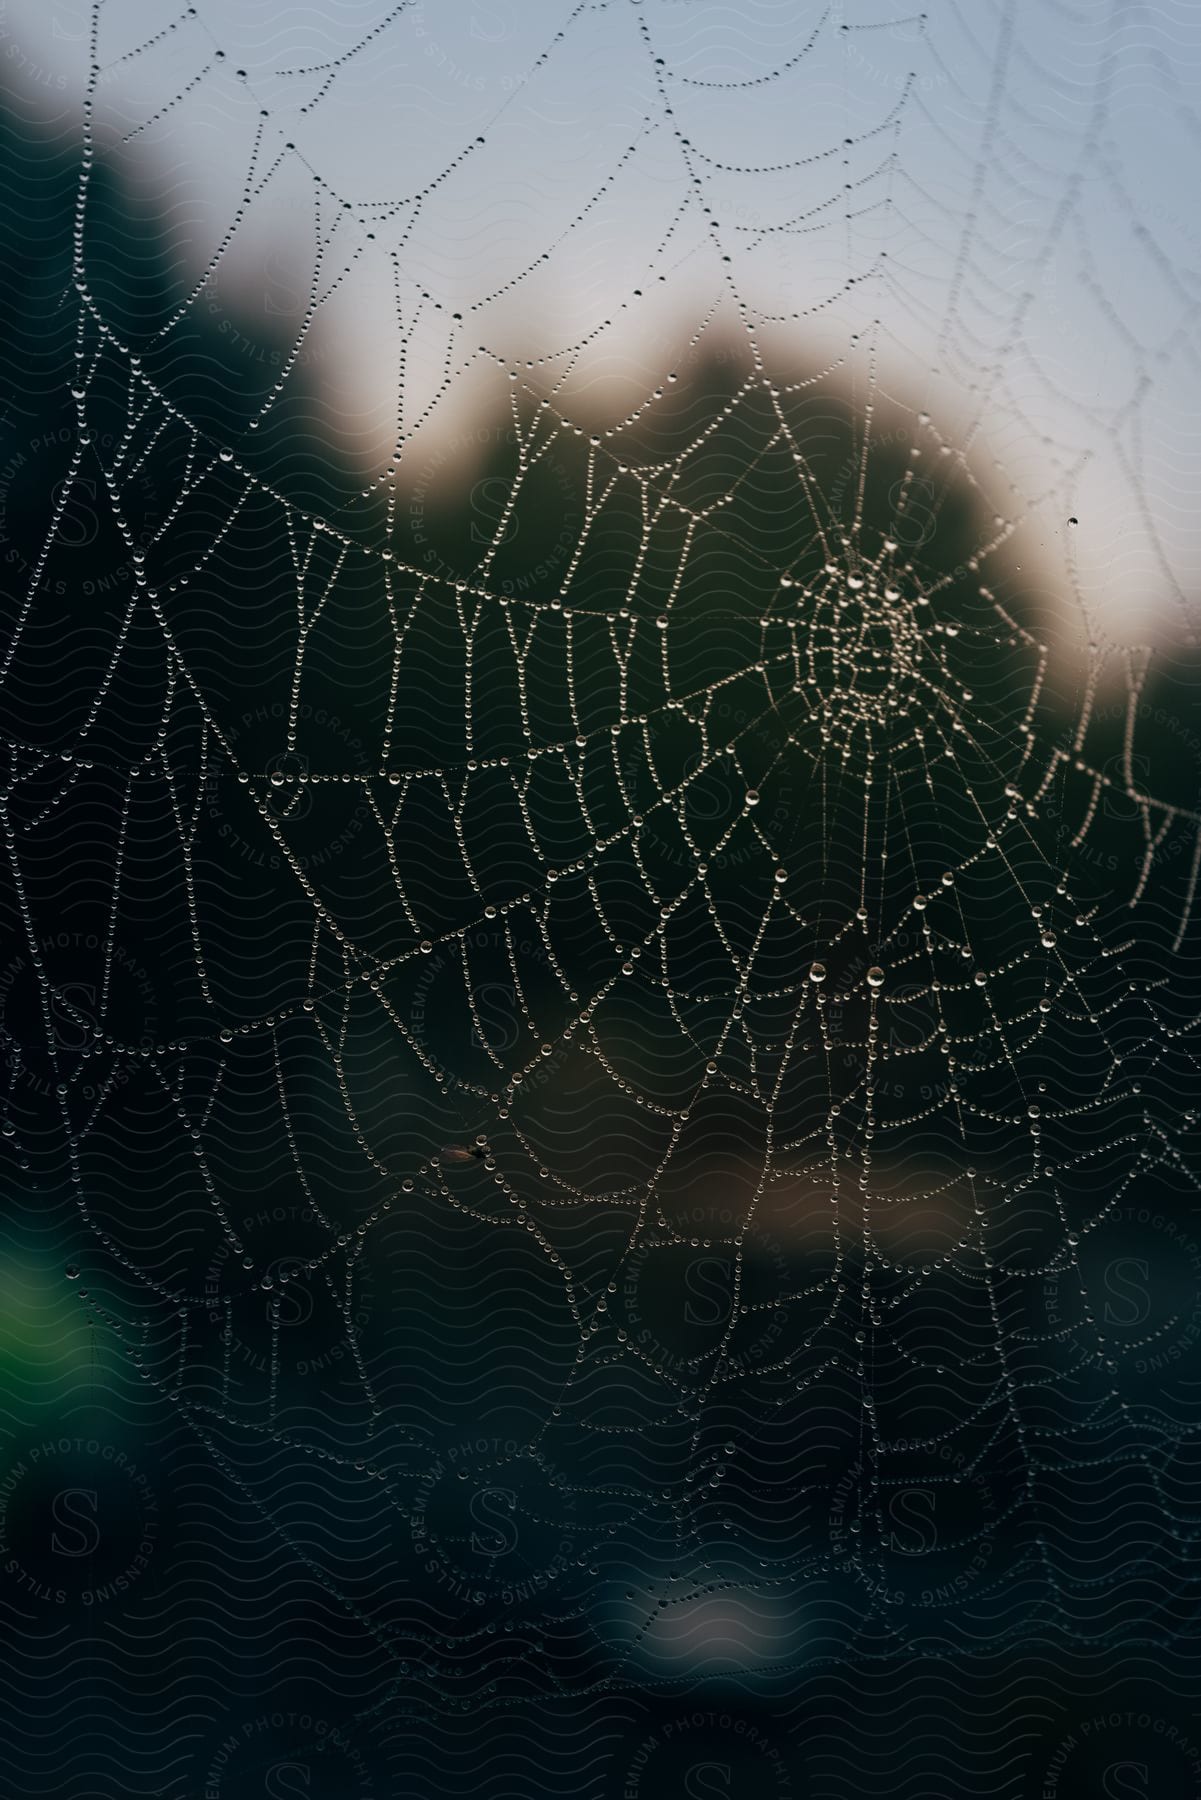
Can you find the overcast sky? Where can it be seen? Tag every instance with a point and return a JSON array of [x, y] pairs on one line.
[[1013, 220]]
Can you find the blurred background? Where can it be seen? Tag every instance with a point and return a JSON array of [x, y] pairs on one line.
[[599, 638]]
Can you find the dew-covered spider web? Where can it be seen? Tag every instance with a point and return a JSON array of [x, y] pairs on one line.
[[609, 964]]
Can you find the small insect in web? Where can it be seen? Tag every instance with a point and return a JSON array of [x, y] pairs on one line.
[[462, 1153]]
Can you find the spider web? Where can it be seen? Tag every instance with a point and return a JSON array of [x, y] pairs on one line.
[[670, 902]]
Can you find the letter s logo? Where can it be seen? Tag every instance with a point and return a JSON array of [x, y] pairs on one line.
[[491, 30], [708, 1781], [914, 520], [75, 1510], [1126, 1781], [498, 1014], [911, 1018], [707, 1279], [493, 1508], [73, 1009], [284, 295], [489, 498], [293, 1300], [285, 1780], [1127, 1280], [294, 798], [78, 525], [912, 1510]]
